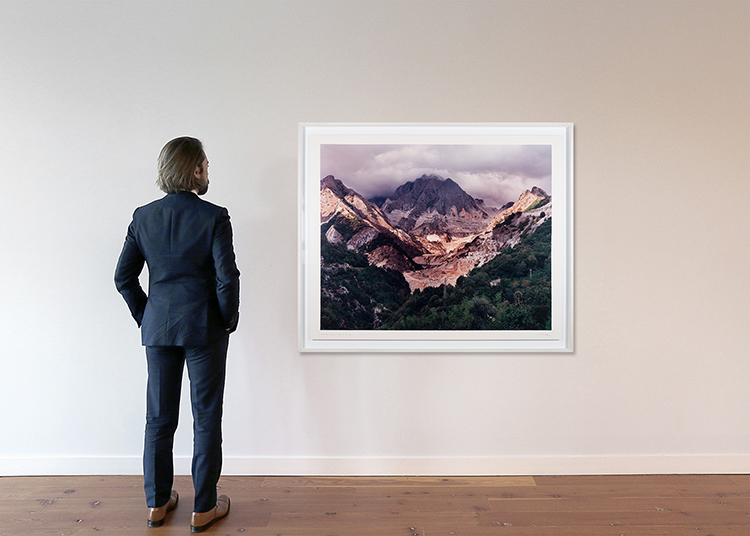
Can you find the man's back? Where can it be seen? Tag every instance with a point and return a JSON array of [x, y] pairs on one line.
[[193, 280]]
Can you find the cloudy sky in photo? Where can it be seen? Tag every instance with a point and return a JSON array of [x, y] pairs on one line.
[[496, 173]]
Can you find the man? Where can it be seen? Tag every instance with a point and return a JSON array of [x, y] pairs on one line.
[[191, 308]]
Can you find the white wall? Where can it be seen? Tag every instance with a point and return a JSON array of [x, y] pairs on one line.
[[659, 93]]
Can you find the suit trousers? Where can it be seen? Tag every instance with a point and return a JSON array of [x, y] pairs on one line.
[[207, 372]]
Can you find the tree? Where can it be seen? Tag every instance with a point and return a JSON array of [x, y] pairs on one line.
[[483, 312]]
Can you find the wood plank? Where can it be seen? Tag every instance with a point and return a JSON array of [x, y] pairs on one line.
[[291, 500], [574, 530], [621, 490], [458, 499], [413, 481], [603, 519], [647, 505], [656, 504], [374, 523], [642, 480]]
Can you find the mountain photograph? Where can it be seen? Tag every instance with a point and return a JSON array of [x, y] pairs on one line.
[[435, 238]]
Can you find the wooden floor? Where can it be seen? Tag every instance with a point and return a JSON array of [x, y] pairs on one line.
[[656, 505]]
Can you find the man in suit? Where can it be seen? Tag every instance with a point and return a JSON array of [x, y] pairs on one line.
[[191, 308]]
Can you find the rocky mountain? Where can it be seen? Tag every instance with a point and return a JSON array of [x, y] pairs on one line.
[[432, 205], [349, 218], [505, 230], [430, 230]]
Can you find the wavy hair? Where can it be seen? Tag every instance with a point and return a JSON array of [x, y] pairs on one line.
[[177, 162]]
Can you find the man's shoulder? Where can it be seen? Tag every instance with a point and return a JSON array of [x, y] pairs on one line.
[[156, 203], [148, 208], [209, 205], [178, 200], [207, 209]]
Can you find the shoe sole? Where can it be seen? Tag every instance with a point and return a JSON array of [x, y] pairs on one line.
[[207, 526]]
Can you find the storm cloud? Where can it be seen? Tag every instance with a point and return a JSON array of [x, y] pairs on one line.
[[495, 173]]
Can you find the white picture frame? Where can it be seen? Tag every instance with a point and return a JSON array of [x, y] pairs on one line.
[[317, 141]]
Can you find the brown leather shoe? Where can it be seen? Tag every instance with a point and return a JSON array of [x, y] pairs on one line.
[[156, 516], [203, 520]]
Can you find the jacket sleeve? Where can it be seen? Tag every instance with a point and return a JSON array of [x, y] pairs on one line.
[[129, 267], [227, 274]]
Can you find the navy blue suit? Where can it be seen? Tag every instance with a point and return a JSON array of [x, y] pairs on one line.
[[191, 307]]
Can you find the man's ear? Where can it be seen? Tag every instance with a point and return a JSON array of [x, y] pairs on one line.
[[198, 172]]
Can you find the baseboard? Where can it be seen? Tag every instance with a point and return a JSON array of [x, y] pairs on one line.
[[382, 466], [479, 466]]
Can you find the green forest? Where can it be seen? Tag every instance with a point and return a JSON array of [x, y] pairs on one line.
[[511, 292]]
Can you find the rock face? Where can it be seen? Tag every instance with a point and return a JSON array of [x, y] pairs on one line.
[[335, 198], [504, 230], [430, 230], [364, 227], [432, 206]]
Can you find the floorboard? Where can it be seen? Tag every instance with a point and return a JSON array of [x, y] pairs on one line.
[[617, 505]]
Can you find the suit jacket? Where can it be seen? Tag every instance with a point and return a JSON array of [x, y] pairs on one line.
[[194, 284]]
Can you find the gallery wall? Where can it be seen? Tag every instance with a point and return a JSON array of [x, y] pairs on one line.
[[658, 91]]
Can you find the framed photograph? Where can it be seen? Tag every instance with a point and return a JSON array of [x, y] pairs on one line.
[[436, 237]]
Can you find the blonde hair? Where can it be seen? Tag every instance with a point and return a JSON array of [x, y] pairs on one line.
[[177, 162]]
